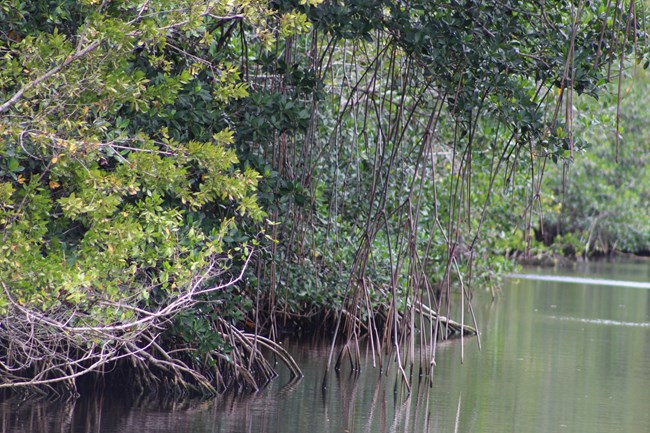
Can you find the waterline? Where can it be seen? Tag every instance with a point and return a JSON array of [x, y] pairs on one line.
[[580, 280]]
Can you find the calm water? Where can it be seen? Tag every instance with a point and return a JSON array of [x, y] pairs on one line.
[[555, 357]]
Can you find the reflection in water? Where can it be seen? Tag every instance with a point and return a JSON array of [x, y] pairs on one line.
[[103, 413], [555, 357], [351, 401]]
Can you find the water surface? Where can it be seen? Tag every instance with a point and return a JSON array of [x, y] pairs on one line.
[[555, 357]]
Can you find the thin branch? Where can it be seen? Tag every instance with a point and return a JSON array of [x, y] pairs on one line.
[[71, 58]]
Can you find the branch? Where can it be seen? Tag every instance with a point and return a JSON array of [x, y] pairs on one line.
[[71, 58]]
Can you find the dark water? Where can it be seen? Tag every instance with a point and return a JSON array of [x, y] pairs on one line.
[[555, 357]]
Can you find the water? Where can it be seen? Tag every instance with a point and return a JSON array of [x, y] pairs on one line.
[[556, 356]]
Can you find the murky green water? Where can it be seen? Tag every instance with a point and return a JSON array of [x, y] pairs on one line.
[[555, 357]]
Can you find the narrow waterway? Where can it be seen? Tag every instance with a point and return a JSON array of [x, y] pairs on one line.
[[562, 351]]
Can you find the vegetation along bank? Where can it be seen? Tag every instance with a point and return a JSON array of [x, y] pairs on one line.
[[184, 181]]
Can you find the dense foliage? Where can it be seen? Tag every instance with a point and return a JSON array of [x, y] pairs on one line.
[[592, 205], [180, 180], [118, 192]]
